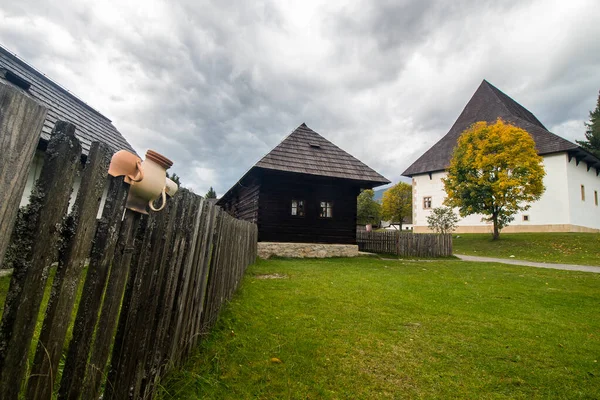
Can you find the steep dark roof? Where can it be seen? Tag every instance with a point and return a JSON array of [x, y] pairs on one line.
[[62, 105], [488, 104], [305, 151]]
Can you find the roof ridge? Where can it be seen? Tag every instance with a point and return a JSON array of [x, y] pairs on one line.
[[296, 154], [43, 76], [278, 144], [488, 103], [510, 104]]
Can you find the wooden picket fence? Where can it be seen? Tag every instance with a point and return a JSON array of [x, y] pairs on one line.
[[405, 244], [153, 284]]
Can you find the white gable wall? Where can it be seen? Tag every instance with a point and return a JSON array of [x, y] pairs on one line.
[[560, 208], [583, 212]]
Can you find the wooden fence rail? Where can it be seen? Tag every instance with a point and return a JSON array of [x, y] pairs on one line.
[[405, 244], [153, 286]]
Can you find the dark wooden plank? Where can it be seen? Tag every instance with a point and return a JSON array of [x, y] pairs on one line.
[[169, 347], [146, 325], [190, 308], [101, 258], [152, 354], [207, 312], [77, 235], [183, 302], [36, 236], [126, 372], [123, 381], [200, 293], [175, 251], [110, 307], [120, 335], [21, 121]]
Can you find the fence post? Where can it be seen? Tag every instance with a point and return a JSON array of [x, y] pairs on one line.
[[21, 121], [87, 314], [77, 241], [110, 307], [36, 236]]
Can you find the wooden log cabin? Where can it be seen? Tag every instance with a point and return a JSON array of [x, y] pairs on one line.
[[303, 191]]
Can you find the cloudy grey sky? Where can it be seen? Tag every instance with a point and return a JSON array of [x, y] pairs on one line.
[[214, 85]]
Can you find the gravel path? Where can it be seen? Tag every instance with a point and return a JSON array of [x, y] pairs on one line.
[[568, 267]]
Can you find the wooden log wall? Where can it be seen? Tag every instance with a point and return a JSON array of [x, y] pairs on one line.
[[405, 244], [154, 285]]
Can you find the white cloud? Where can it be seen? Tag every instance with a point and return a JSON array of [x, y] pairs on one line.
[[215, 85]]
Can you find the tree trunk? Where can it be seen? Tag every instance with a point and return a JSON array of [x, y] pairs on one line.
[[496, 234]]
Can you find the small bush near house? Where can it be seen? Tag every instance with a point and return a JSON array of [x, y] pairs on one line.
[[442, 220]]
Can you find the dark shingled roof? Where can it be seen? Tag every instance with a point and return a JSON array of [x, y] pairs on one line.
[[488, 104], [306, 152], [62, 105]]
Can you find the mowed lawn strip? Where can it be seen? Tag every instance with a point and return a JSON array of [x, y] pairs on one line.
[[564, 248], [367, 329]]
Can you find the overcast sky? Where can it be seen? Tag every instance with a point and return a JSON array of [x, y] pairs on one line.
[[216, 85]]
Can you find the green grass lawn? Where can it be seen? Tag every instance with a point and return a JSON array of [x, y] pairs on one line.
[[569, 248], [367, 329]]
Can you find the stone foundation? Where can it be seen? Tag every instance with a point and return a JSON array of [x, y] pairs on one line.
[[306, 250]]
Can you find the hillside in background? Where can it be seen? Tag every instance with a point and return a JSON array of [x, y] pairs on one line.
[[379, 194]]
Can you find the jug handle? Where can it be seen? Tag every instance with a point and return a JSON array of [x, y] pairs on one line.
[[164, 201], [140, 175]]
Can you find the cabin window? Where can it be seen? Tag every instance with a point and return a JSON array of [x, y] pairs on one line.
[[526, 218], [582, 193], [326, 209], [427, 202], [595, 197], [298, 208]]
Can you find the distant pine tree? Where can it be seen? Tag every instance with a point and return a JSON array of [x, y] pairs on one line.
[[174, 178], [592, 132], [211, 194]]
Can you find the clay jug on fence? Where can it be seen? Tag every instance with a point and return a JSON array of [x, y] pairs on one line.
[[148, 178], [153, 186], [171, 187], [124, 163]]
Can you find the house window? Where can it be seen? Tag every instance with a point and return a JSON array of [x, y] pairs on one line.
[[298, 208], [582, 193], [427, 202], [595, 197], [526, 218], [326, 209]]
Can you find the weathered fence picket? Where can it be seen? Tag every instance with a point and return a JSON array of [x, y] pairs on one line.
[[21, 121], [36, 236], [101, 258], [110, 308], [151, 283], [405, 244], [77, 242]]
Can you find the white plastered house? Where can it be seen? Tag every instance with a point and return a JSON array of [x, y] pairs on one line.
[[572, 181]]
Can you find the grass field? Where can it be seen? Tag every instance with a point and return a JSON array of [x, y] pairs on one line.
[[369, 329], [4, 286], [569, 248]]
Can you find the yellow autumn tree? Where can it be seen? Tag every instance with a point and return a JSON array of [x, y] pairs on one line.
[[495, 171], [396, 203]]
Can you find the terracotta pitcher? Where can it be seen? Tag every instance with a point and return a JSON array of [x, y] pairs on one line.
[[152, 186], [124, 163]]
